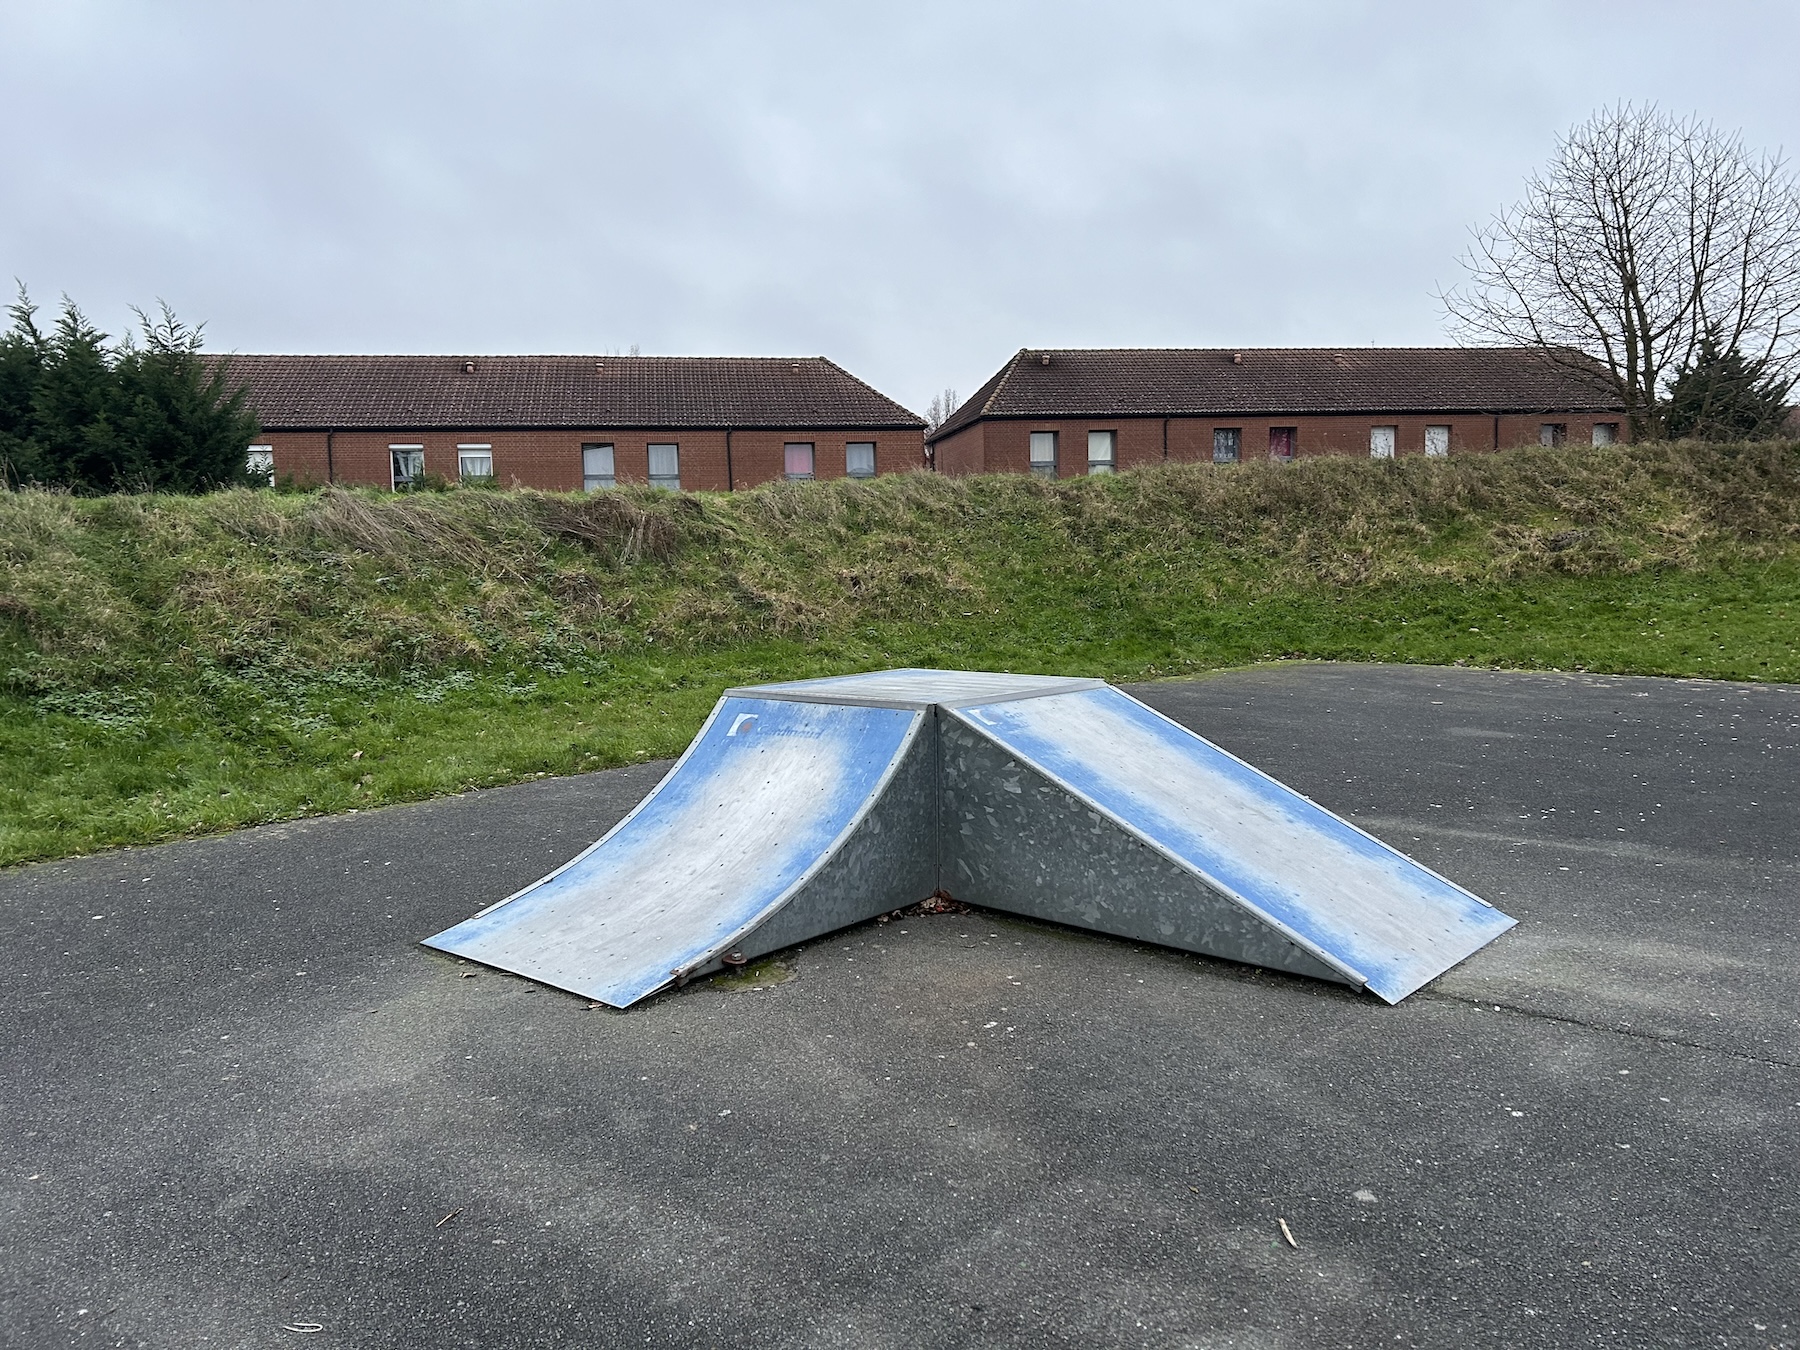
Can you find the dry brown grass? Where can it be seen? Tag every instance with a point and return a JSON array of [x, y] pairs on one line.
[[120, 588]]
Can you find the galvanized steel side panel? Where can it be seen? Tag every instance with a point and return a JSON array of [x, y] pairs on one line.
[[887, 861], [763, 795], [1017, 840], [1320, 881]]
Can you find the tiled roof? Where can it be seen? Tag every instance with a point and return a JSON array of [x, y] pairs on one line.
[[391, 392], [1249, 381]]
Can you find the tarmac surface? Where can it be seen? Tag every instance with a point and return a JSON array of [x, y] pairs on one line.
[[238, 1103]]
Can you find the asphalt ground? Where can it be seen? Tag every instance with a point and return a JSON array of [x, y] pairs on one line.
[[238, 1098]]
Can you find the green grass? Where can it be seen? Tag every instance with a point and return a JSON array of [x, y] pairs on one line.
[[171, 666]]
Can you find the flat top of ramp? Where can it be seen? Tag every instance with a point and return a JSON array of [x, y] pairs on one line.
[[1365, 907], [755, 805], [919, 688]]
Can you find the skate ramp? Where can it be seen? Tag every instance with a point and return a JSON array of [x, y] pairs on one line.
[[805, 807], [796, 818], [1091, 809]]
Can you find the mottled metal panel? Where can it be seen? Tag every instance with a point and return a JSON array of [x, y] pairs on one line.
[[886, 862], [750, 813], [920, 688], [1318, 880], [1016, 840]]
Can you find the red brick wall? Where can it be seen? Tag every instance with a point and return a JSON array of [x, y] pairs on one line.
[[962, 453], [759, 456], [552, 459], [1003, 445]]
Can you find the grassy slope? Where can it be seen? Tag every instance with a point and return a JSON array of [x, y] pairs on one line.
[[180, 665]]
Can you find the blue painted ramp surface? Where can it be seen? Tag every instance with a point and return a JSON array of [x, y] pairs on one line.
[[1361, 907], [758, 803]]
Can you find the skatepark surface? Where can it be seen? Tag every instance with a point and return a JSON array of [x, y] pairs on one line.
[[239, 1102]]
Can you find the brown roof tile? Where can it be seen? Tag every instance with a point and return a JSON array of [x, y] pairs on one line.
[[1209, 382], [346, 392]]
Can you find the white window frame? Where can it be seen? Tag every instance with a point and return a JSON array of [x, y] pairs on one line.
[[474, 450], [1604, 433], [1437, 440], [259, 463], [1383, 441], [812, 461], [394, 453], [1553, 433], [671, 481], [1107, 442], [1228, 445], [853, 470], [1043, 465], [592, 479]]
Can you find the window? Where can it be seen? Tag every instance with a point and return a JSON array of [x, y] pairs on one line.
[[1553, 433], [1381, 442], [1102, 451], [665, 467], [1606, 433], [1437, 441], [1282, 441], [1228, 443], [259, 463], [597, 468], [797, 461], [1043, 454], [409, 466], [859, 459], [475, 461]]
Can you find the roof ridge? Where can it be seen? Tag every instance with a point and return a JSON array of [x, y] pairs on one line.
[[1006, 373], [1340, 348], [514, 356]]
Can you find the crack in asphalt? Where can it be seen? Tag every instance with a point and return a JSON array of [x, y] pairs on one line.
[[1566, 1020]]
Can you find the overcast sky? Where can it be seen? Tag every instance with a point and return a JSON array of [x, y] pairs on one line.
[[915, 190]]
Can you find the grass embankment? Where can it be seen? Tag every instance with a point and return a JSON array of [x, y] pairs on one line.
[[178, 665]]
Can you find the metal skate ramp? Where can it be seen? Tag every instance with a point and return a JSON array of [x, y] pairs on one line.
[[1091, 809], [805, 807], [782, 821]]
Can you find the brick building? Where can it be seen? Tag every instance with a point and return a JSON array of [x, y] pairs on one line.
[[1063, 413], [565, 422]]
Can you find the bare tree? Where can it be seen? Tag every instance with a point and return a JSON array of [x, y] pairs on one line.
[[942, 405], [1645, 234]]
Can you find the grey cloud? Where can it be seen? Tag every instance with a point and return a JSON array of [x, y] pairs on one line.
[[915, 191]]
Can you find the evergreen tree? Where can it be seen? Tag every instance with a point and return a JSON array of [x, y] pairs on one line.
[[1721, 395], [74, 408], [179, 411], [81, 412], [22, 353]]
